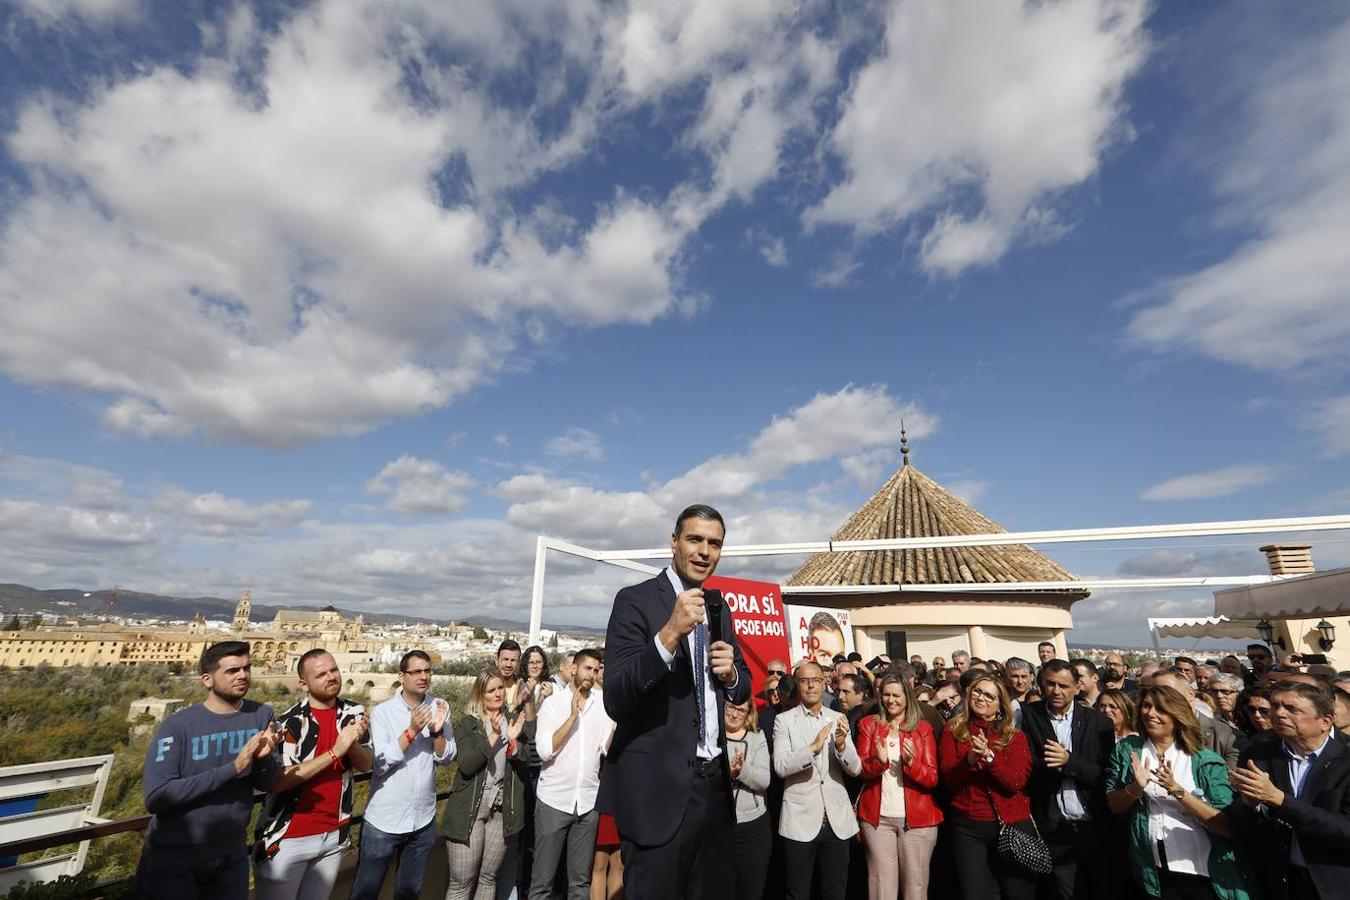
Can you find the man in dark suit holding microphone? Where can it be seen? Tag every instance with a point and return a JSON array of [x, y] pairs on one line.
[[671, 662]]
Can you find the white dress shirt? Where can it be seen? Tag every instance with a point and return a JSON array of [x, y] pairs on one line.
[[707, 748], [403, 782], [570, 778], [1185, 839]]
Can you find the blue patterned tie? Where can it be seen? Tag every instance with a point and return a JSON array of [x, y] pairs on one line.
[[700, 665]]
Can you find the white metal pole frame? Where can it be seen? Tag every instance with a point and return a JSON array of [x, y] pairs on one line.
[[627, 558]]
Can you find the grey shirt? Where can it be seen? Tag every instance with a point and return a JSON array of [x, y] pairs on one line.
[[199, 804]]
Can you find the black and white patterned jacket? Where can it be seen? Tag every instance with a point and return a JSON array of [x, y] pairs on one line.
[[299, 740]]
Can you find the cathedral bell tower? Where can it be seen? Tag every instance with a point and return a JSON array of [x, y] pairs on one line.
[[242, 611]]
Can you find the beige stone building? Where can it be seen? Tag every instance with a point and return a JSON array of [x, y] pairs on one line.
[[276, 649], [983, 620]]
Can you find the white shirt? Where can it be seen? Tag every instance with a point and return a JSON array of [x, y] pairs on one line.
[[892, 780], [570, 778], [707, 748], [1185, 838], [1069, 805], [403, 782]]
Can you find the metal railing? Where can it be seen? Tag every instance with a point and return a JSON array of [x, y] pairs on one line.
[[121, 826]]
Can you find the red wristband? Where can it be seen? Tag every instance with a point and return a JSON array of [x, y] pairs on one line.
[[408, 733]]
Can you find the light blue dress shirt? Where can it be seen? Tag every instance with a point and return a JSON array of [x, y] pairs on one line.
[[1070, 807], [403, 782]]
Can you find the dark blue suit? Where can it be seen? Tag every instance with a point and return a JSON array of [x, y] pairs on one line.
[[667, 813], [1319, 816]]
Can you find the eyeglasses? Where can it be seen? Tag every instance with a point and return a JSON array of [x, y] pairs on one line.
[[976, 693], [811, 681], [779, 672], [416, 671], [736, 710], [1222, 691], [1262, 711]]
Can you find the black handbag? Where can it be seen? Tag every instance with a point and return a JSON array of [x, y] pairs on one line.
[[1021, 843]]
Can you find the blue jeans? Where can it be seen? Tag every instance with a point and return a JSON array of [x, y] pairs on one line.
[[379, 848], [220, 877]]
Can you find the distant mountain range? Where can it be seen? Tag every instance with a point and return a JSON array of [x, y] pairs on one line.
[[24, 600]]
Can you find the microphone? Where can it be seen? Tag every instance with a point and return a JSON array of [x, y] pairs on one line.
[[712, 603]]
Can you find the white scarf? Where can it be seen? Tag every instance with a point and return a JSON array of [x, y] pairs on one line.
[[1185, 839]]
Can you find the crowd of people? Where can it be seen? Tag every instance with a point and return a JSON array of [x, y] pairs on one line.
[[1021, 780]]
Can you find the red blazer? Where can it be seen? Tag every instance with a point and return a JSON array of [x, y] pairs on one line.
[[920, 776], [1005, 779]]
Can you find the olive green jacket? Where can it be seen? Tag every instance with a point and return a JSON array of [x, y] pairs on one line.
[[1229, 874], [473, 754]]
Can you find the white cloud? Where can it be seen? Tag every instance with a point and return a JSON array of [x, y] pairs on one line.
[[576, 442], [1277, 302], [1193, 564], [968, 489], [979, 115], [1331, 419], [215, 514], [87, 487], [304, 277], [50, 12], [420, 486], [71, 525], [502, 439], [1215, 483], [837, 273], [828, 426]]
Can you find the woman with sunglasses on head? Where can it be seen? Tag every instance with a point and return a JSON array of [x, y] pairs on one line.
[[896, 810], [748, 760], [1117, 706], [1174, 793], [985, 762]]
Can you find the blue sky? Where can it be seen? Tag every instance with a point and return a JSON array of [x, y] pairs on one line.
[[348, 301]]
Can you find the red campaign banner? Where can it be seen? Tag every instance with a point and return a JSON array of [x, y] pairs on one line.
[[758, 616]]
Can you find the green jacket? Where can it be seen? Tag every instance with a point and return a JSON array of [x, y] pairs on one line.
[[1229, 872], [473, 753]]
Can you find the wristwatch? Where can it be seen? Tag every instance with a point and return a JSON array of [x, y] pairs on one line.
[[1178, 793]]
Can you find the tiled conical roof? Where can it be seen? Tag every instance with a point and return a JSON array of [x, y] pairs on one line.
[[912, 505]]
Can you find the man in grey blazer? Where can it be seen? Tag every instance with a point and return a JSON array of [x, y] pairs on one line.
[[812, 752]]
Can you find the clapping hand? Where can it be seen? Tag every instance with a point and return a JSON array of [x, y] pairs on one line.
[[352, 732], [883, 755], [1142, 774], [1254, 786], [821, 738], [979, 749], [515, 729], [440, 712], [1163, 777], [840, 734], [257, 747], [737, 763], [1056, 755], [907, 751], [421, 717]]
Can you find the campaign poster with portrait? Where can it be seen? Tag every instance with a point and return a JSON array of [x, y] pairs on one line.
[[819, 633], [756, 609]]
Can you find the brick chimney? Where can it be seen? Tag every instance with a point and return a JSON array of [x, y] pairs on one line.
[[1289, 559]]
